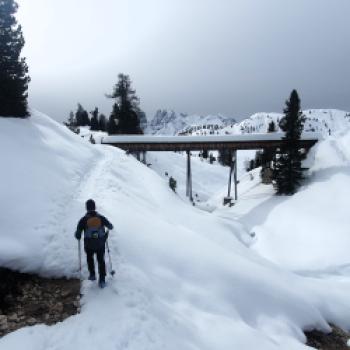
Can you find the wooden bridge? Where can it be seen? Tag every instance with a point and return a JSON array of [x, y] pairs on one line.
[[146, 143]]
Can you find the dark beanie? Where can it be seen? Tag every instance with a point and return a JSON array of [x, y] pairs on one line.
[[90, 205]]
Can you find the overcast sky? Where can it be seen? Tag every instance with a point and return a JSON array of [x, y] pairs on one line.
[[233, 57]]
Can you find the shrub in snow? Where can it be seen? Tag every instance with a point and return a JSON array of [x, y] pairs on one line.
[[172, 183]]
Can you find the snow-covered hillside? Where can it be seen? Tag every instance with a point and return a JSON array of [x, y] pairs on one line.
[[186, 278], [44, 165], [325, 121], [167, 122]]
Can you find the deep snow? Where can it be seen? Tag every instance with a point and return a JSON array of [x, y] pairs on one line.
[[186, 278]]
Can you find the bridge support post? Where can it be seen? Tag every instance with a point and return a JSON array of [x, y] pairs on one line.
[[189, 177], [233, 171], [144, 160]]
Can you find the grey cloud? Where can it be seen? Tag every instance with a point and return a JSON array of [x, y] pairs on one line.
[[234, 57]]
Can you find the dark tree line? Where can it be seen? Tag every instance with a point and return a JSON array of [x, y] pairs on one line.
[[14, 78], [126, 116], [81, 118]]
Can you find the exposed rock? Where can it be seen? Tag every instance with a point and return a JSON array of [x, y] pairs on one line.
[[27, 300], [336, 340], [3, 323], [13, 318]]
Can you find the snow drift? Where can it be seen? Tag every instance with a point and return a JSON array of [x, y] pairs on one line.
[[186, 279]]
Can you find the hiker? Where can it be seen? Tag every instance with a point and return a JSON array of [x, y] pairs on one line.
[[93, 224]]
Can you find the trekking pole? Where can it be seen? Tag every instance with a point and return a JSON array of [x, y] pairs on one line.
[[79, 254], [112, 272]]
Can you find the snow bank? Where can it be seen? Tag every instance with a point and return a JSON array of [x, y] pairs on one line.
[[310, 230], [186, 279], [43, 163]]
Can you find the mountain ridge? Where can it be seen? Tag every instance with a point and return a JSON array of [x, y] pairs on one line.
[[168, 122]]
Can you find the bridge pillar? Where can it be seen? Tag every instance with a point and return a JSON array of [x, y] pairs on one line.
[[233, 171], [189, 177], [144, 160]]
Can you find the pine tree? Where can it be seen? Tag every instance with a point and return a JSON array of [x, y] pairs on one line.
[[113, 122], [288, 172], [102, 122], [271, 127], [94, 120], [79, 115], [14, 78], [71, 122], [85, 118], [82, 116], [128, 108]]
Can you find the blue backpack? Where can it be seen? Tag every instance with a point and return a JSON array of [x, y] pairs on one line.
[[94, 228]]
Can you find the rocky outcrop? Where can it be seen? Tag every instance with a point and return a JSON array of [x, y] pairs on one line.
[[27, 300], [335, 340]]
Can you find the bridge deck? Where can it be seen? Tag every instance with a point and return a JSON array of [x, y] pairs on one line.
[[211, 142]]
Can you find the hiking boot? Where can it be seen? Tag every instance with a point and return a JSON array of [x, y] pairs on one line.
[[92, 277], [102, 283]]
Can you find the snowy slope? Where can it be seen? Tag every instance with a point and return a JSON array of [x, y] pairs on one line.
[[166, 122], [324, 121], [208, 180], [186, 279], [308, 232], [43, 165]]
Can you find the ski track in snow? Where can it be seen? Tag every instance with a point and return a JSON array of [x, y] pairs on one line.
[[61, 243]]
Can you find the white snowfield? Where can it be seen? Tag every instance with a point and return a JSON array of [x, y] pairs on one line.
[[186, 279]]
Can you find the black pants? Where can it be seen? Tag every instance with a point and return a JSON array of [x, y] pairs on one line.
[[100, 253]]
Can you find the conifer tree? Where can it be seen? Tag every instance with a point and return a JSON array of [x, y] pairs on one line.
[[85, 118], [79, 115], [14, 78], [102, 122], [82, 116], [94, 120], [128, 108], [71, 123], [288, 172], [113, 122], [271, 127]]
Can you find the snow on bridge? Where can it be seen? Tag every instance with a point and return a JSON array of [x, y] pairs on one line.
[[210, 142]]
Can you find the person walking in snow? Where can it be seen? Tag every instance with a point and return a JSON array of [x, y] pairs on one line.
[[93, 224]]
